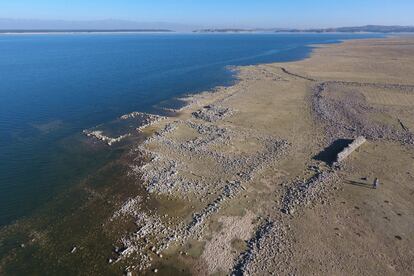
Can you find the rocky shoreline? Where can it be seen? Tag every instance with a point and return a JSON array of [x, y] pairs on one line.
[[248, 153]]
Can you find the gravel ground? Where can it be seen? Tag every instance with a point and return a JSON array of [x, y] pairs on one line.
[[349, 115]]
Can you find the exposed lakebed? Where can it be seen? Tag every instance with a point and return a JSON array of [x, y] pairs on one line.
[[54, 87]]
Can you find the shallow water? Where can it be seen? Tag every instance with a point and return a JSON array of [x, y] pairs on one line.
[[54, 86]]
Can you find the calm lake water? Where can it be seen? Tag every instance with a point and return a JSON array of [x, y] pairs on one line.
[[54, 86]]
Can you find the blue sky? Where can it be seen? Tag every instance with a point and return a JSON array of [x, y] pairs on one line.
[[232, 13]]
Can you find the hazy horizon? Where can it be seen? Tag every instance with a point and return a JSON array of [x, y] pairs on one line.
[[188, 14], [116, 24]]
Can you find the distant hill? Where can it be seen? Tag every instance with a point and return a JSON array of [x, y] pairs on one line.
[[233, 30], [225, 30], [92, 25], [114, 25], [22, 31], [361, 29]]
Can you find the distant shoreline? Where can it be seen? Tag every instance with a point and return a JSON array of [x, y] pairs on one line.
[[353, 30], [84, 31]]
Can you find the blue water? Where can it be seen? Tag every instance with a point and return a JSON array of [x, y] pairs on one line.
[[54, 86]]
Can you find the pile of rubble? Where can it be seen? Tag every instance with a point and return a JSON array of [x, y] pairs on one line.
[[212, 113], [253, 245], [302, 193], [143, 119], [348, 115], [169, 169], [230, 190], [99, 135], [152, 236], [143, 244], [136, 121], [269, 248]]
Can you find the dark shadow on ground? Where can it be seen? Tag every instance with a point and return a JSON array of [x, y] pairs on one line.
[[329, 154], [359, 184]]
